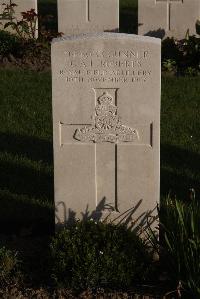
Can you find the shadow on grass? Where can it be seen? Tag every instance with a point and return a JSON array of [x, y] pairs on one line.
[[26, 184], [26, 181], [30, 147], [179, 171], [21, 216]]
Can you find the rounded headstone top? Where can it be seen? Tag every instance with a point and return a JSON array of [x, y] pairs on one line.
[[108, 36]]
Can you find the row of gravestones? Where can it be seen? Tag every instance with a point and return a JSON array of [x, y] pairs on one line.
[[106, 109], [159, 18], [106, 118]]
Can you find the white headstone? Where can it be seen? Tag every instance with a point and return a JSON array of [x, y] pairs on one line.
[[168, 18], [84, 16], [106, 125], [21, 6]]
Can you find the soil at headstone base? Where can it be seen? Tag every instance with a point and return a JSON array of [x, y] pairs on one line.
[[27, 293]]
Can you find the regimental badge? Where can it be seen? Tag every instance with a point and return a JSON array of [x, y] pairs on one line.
[[107, 125]]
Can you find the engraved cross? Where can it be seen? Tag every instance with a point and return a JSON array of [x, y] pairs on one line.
[[106, 134], [88, 3], [169, 5]]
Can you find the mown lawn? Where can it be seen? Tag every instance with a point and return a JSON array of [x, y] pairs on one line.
[[180, 136], [26, 171], [26, 155]]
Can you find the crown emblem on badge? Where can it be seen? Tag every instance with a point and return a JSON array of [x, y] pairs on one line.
[[107, 124]]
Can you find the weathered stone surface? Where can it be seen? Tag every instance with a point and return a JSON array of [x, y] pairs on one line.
[[86, 16], [168, 18], [106, 124], [22, 6]]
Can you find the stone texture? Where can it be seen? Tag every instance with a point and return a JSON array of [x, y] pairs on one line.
[[168, 18], [86, 16], [22, 6], [106, 125]]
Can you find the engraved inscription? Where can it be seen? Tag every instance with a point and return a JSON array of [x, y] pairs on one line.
[[107, 66], [107, 126], [87, 10]]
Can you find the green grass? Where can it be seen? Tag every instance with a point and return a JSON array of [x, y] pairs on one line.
[[180, 136], [26, 180], [26, 158]]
